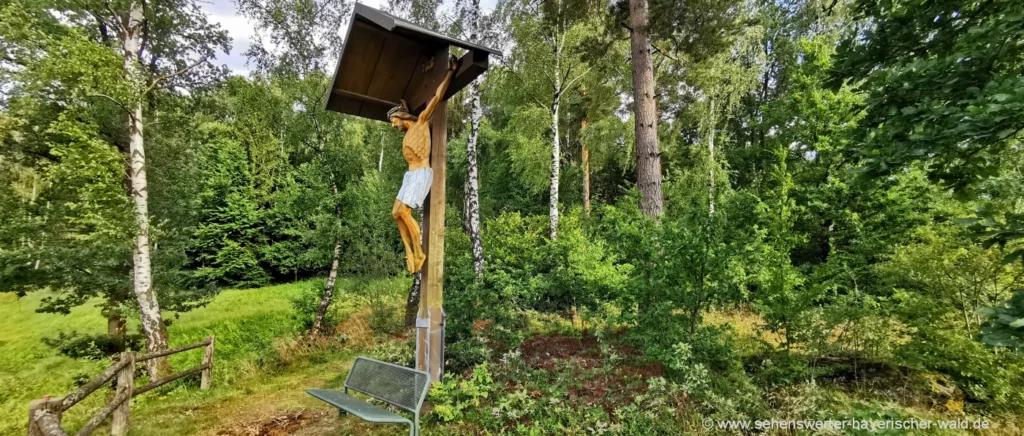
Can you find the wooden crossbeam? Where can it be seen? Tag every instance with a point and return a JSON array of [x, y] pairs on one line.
[[471, 65], [361, 97]]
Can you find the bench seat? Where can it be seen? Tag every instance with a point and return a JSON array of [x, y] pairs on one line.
[[402, 388], [357, 407]]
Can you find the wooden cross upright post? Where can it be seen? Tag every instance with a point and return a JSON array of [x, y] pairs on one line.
[[430, 340]]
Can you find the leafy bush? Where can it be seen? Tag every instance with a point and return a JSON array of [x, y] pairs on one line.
[[984, 374], [380, 297], [512, 244], [467, 353], [94, 346], [1004, 326], [455, 397], [525, 271], [305, 306], [401, 353]]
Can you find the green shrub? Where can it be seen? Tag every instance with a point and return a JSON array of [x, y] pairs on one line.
[[94, 346], [382, 297], [455, 398], [401, 353], [985, 375], [526, 271], [306, 303], [465, 354], [1004, 326]]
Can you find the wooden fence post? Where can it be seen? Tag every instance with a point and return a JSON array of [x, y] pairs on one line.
[[37, 407], [207, 375], [125, 384]]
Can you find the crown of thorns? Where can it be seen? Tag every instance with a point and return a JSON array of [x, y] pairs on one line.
[[403, 108]]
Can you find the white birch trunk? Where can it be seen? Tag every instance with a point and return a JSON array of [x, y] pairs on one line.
[[586, 172], [332, 277], [142, 275], [328, 295], [472, 206], [556, 149], [711, 162]]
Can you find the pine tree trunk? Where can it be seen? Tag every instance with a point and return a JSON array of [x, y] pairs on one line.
[[332, 278], [586, 175], [115, 324], [472, 207], [648, 158], [142, 275]]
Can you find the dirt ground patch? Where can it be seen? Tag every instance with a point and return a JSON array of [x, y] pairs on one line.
[[284, 424], [541, 352], [597, 383]]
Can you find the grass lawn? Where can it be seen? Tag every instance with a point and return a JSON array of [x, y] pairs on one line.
[[251, 377]]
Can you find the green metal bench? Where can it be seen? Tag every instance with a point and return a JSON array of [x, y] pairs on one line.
[[401, 387]]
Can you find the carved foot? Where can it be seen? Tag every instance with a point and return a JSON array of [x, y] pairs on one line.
[[409, 263], [417, 262]]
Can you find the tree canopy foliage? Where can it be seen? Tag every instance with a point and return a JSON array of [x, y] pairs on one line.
[[848, 174]]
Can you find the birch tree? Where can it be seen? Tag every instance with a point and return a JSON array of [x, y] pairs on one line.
[[546, 64], [473, 21], [76, 66]]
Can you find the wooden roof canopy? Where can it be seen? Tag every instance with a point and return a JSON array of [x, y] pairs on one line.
[[386, 59]]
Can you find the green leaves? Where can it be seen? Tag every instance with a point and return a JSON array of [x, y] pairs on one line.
[[226, 244], [1004, 325], [944, 86]]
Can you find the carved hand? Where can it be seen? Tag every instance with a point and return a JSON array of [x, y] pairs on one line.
[[453, 63]]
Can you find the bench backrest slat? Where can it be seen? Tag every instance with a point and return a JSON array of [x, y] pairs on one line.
[[402, 387]]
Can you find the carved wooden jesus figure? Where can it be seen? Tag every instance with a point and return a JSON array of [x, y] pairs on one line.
[[417, 181]]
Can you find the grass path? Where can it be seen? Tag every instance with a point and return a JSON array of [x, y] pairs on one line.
[[250, 381], [237, 409]]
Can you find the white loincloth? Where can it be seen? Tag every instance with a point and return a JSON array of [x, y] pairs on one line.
[[415, 187]]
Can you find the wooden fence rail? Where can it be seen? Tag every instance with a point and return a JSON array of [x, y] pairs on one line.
[[44, 416]]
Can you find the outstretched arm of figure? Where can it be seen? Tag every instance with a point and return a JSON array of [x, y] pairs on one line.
[[429, 111]]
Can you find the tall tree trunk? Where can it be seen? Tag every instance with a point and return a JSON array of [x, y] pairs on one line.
[[711, 162], [142, 275], [556, 146], [115, 324], [556, 151], [586, 175], [648, 157], [332, 278], [472, 206], [412, 303]]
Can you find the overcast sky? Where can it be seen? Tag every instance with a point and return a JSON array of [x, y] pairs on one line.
[[242, 32]]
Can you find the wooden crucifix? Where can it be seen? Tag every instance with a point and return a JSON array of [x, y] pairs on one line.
[[395, 71]]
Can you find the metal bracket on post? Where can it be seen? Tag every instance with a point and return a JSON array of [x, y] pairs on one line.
[[444, 343], [423, 337]]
